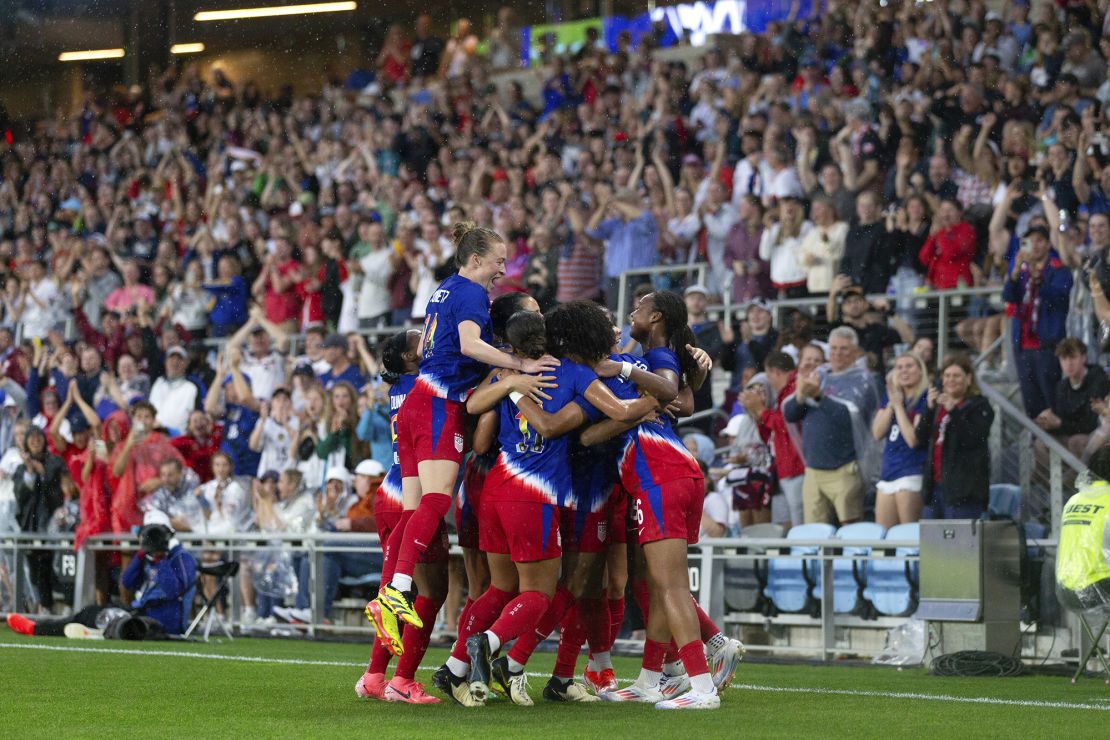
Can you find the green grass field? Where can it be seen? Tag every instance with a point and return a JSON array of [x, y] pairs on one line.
[[268, 688]]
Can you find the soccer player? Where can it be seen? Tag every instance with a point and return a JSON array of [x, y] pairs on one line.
[[455, 349], [520, 513], [667, 488], [400, 358], [481, 460]]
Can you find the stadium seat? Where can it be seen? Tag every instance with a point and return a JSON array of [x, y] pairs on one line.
[[850, 576], [790, 581], [746, 577], [1005, 501], [892, 584]]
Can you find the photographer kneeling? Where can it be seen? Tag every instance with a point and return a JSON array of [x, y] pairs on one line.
[[163, 574]]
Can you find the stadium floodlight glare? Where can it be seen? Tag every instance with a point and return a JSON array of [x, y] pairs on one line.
[[276, 10], [90, 55], [192, 48]]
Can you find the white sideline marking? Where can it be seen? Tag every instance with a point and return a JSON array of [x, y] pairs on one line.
[[742, 686]]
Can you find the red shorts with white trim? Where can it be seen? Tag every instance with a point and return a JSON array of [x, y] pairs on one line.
[[595, 531], [526, 531], [671, 510], [428, 428], [437, 551]]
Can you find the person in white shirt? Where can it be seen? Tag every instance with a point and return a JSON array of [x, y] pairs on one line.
[[275, 432], [718, 216], [375, 266], [262, 363], [779, 246], [40, 302], [822, 248], [173, 395], [226, 505]]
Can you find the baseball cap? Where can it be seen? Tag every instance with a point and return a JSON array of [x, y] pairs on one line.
[[691, 159], [369, 467], [78, 424], [339, 474], [269, 475], [852, 290], [337, 341], [698, 288], [178, 350], [758, 303]]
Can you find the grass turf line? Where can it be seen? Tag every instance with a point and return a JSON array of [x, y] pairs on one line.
[[85, 694]]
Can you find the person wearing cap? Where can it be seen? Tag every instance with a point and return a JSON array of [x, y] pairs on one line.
[[239, 412], [875, 337], [83, 427], [857, 147], [1037, 292], [174, 395], [949, 251], [360, 517], [335, 348], [708, 334], [1003, 46], [275, 431]]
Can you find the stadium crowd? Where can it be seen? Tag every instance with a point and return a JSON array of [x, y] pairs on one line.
[[855, 156]]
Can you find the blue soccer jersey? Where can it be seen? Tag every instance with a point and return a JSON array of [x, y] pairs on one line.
[[391, 486], [445, 371], [539, 468], [239, 422], [899, 459], [654, 453]]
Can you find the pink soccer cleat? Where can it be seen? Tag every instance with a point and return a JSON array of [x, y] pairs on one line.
[[371, 686], [408, 691]]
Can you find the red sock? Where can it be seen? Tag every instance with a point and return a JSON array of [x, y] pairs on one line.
[[707, 625], [379, 658], [653, 655], [520, 615], [481, 614], [392, 546], [415, 641], [593, 616], [526, 643], [693, 658], [420, 530], [571, 638], [642, 596], [616, 619]]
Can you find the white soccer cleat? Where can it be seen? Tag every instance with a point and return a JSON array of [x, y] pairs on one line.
[[673, 686], [645, 695], [76, 631], [691, 700], [723, 662]]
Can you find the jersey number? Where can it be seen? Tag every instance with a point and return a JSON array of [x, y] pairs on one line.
[[428, 335], [530, 441]]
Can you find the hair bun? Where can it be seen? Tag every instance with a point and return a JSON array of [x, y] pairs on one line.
[[461, 229]]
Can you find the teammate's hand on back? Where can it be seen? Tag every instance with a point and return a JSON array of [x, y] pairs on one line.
[[547, 362]]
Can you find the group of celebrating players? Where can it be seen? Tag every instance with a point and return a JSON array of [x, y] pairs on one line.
[[564, 436]]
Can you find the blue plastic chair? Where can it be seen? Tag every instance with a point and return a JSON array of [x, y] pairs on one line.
[[790, 581], [892, 584], [1005, 501], [746, 577], [850, 576]]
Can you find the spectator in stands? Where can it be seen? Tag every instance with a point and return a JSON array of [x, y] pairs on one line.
[[779, 247], [827, 403], [264, 361], [360, 517], [40, 302], [239, 411], [898, 499], [823, 247], [708, 335], [875, 337], [786, 506], [199, 442], [751, 274], [948, 252], [1082, 387], [38, 493], [274, 433], [956, 431], [1038, 289], [868, 252], [175, 396], [746, 349], [340, 369], [176, 497], [629, 234], [229, 294]]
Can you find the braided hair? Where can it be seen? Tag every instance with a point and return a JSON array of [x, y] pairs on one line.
[[582, 328], [678, 334], [391, 351]]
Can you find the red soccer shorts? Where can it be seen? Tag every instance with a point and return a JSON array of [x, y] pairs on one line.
[[671, 510], [428, 428], [594, 531], [437, 551], [526, 531], [467, 506]]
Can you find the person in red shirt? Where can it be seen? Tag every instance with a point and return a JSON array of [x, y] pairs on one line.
[[948, 252], [276, 286], [789, 466], [199, 443]]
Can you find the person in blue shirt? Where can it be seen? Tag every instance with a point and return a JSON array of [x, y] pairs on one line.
[[229, 291], [240, 415], [629, 233], [340, 367], [456, 349], [163, 573], [898, 499]]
